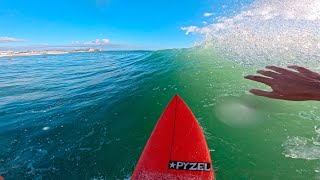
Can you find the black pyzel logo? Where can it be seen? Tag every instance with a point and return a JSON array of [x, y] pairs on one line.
[[190, 166]]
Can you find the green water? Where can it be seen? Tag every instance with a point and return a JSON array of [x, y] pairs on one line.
[[100, 108]]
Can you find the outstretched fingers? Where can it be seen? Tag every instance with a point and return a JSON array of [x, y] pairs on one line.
[[260, 92], [300, 69], [306, 72], [268, 73], [263, 93], [281, 70], [260, 79]]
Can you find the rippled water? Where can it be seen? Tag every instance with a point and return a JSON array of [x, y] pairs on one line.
[[89, 115]]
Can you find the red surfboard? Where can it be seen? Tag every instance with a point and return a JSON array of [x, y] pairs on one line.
[[176, 149]]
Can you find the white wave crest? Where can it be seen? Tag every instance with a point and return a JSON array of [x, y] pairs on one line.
[[268, 31]]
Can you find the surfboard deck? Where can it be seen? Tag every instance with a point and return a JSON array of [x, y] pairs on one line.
[[176, 149]]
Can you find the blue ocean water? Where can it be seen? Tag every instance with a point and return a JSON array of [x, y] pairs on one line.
[[89, 115]]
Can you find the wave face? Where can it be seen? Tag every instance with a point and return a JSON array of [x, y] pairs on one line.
[[267, 32], [89, 115]]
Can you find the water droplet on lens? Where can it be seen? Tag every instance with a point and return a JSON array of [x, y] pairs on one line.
[[46, 128]]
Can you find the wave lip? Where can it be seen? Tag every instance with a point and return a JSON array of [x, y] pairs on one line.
[[267, 31]]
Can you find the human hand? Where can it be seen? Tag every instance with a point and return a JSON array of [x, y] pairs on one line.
[[302, 84]]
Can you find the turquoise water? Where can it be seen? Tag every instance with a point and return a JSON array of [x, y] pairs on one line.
[[89, 115]]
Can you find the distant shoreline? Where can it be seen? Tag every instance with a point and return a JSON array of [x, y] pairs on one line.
[[37, 53]]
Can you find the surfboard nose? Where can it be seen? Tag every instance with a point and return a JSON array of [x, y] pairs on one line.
[[177, 97], [177, 100], [176, 149]]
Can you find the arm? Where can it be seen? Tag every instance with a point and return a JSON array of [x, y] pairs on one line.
[[299, 85]]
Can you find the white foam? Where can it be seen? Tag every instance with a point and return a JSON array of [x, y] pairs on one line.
[[301, 148], [268, 31]]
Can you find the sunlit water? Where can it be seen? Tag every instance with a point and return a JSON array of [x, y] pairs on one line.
[[89, 115]]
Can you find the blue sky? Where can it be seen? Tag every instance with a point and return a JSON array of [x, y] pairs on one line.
[[140, 24]]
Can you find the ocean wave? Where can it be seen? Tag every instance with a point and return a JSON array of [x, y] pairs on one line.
[[267, 32]]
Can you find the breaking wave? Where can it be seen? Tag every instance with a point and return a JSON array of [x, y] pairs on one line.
[[267, 32]]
